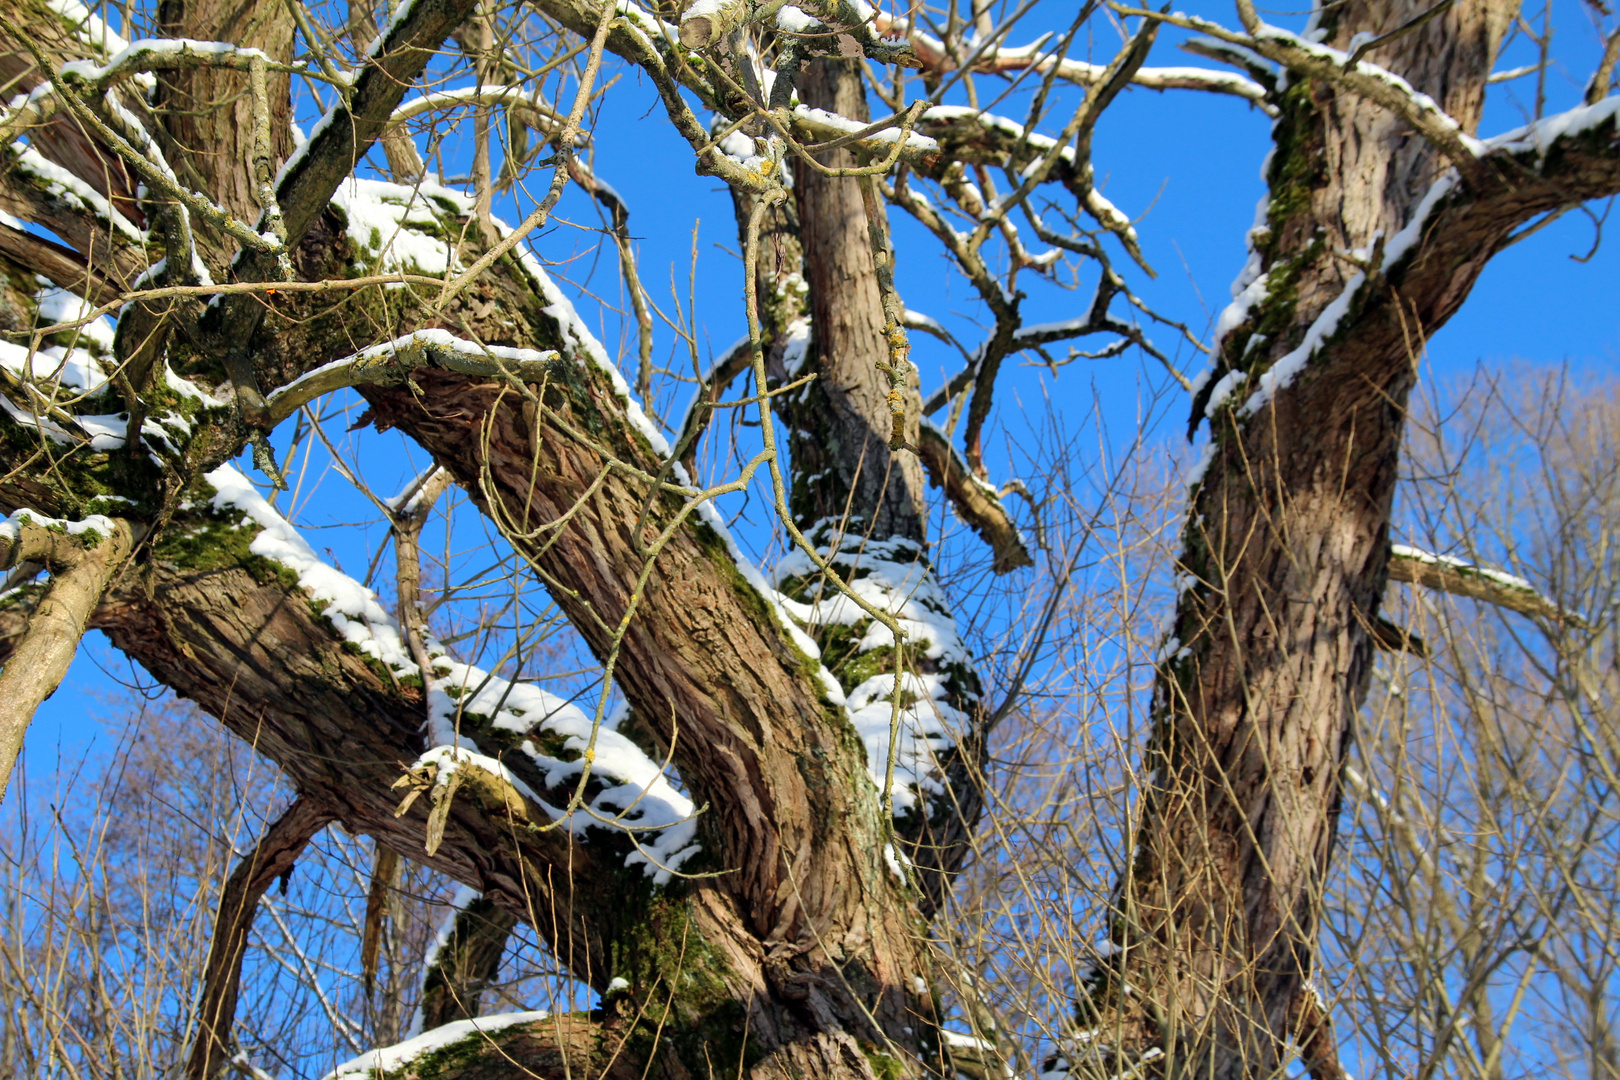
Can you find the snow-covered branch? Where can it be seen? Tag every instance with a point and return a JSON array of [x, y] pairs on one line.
[[1444, 573], [1004, 59], [1376, 84], [392, 362]]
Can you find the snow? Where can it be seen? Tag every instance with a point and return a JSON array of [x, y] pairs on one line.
[[583, 344], [617, 983], [1538, 137], [966, 1042], [891, 576], [432, 338], [350, 607], [796, 347], [132, 54], [409, 498], [75, 368], [1369, 70], [790, 20], [11, 527], [893, 862], [389, 1059], [1511, 581], [90, 28], [459, 902], [914, 141], [636, 797], [387, 220], [70, 189], [58, 306], [1541, 135]]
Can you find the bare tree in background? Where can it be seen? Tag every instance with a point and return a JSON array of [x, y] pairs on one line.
[[744, 861]]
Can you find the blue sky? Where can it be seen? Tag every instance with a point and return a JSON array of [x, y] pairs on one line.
[[1191, 162]]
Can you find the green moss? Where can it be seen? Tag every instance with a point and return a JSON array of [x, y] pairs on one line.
[[679, 979], [884, 1067], [207, 541]]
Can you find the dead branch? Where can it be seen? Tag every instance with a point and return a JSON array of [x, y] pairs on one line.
[[271, 858]]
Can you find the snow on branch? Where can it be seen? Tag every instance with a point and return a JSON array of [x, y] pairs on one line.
[[908, 718], [1369, 80], [170, 54], [349, 606], [390, 1060], [518, 98], [1444, 573], [391, 363], [634, 797], [1002, 59]]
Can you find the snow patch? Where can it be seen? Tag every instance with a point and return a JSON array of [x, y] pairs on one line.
[[350, 607], [388, 1059]]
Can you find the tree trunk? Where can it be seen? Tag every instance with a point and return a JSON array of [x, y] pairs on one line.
[[1284, 564]]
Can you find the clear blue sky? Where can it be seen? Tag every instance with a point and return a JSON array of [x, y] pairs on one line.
[[1194, 159]]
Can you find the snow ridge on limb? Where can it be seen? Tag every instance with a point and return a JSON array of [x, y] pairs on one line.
[[636, 798], [1458, 577], [1032, 57], [1369, 80], [1537, 141], [350, 607], [389, 1060]]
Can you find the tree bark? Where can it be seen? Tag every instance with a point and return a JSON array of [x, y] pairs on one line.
[[839, 424], [466, 963], [1285, 559], [272, 857]]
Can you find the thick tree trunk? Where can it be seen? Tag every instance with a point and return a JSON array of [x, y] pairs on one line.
[[1284, 565], [208, 113], [844, 471]]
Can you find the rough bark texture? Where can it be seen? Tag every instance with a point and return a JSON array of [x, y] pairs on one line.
[[842, 456], [803, 955], [1287, 554], [207, 113], [466, 964]]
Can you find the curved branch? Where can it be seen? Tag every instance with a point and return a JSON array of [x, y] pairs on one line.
[[82, 557], [1445, 574], [975, 501], [271, 858]]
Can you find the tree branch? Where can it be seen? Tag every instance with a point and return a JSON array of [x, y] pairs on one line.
[[272, 857], [82, 558], [1448, 575], [975, 501], [466, 961]]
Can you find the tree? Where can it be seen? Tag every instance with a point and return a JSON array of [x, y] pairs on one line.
[[745, 864]]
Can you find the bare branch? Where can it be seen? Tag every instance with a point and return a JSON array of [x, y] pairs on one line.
[[272, 857], [83, 557], [975, 501]]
